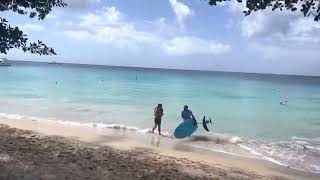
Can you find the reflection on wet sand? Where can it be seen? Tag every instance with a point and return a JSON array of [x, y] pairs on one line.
[[155, 142]]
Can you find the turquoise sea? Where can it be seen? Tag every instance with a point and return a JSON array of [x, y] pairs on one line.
[[245, 108]]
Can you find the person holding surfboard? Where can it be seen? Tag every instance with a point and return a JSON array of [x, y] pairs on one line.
[[158, 113], [187, 114]]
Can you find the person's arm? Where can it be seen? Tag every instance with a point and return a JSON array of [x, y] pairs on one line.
[[155, 110], [192, 116]]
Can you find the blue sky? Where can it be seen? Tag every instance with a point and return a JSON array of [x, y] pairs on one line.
[[176, 34]]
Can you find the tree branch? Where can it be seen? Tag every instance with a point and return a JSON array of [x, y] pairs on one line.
[[13, 37], [307, 7]]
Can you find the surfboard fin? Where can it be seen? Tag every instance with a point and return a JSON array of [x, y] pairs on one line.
[[204, 124]]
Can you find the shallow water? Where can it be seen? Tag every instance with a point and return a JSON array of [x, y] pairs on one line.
[[245, 108]]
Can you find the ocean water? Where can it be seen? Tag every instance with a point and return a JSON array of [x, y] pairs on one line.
[[245, 108]]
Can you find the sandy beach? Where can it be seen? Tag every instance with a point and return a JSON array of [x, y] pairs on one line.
[[41, 150]]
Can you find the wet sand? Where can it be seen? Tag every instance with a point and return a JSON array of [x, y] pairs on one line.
[[42, 150]]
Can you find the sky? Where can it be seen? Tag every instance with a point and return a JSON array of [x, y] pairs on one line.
[[178, 34]]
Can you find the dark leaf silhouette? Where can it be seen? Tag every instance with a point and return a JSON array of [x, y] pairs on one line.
[[13, 37]]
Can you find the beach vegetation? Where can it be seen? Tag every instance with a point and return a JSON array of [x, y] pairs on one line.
[[13, 37], [306, 7]]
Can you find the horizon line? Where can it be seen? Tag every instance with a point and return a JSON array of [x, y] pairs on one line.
[[159, 68]]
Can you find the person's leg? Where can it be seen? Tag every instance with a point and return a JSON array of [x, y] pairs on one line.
[[159, 127], [155, 125]]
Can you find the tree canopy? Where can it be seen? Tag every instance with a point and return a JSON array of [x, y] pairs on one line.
[[13, 37], [307, 7]]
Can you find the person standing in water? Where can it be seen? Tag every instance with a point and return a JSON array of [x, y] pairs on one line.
[[187, 114], [158, 113]]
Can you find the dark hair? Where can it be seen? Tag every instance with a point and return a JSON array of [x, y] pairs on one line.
[[159, 104], [185, 107]]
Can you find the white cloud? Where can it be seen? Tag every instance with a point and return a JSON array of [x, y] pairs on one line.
[[51, 16], [161, 27], [77, 35], [283, 38], [236, 7], [304, 30], [181, 11], [267, 23], [275, 26], [278, 35], [110, 26], [108, 16], [194, 46], [252, 26], [31, 27], [124, 36], [280, 27], [81, 3]]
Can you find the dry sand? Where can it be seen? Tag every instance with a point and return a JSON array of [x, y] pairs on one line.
[[52, 151]]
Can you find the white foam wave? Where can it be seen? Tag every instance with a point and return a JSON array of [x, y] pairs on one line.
[[220, 151], [299, 153], [73, 123], [283, 153], [217, 138], [261, 155], [11, 116]]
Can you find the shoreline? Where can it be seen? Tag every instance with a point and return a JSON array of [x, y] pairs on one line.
[[144, 137], [124, 142]]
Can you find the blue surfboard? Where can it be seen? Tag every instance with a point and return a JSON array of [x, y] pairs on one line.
[[185, 129]]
